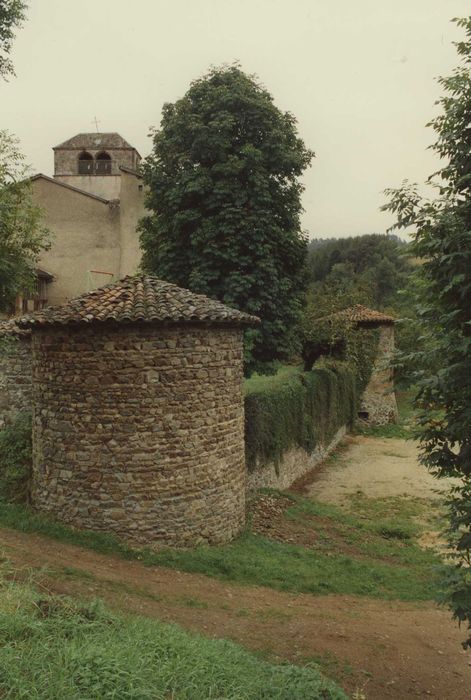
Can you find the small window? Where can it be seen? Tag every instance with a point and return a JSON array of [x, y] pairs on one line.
[[103, 164], [85, 163]]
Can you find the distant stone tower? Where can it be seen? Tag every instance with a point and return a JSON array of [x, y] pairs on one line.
[[94, 162]]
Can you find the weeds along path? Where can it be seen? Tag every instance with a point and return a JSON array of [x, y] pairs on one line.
[[383, 649]]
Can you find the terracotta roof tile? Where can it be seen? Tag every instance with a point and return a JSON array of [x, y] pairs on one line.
[[141, 298], [362, 315]]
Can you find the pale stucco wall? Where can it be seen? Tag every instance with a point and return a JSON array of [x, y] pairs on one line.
[[132, 209], [106, 186], [86, 236], [88, 233]]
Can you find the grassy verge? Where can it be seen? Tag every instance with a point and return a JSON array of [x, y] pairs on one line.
[[264, 382], [53, 647], [352, 554], [259, 561]]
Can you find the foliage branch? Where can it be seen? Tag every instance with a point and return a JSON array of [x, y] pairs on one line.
[[442, 288], [12, 15], [329, 335], [22, 236]]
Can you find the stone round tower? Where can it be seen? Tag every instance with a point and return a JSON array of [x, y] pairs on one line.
[[138, 413]]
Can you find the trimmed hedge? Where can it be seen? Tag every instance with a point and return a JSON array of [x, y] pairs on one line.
[[306, 410]]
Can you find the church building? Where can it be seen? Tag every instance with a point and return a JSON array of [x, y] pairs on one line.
[[92, 206]]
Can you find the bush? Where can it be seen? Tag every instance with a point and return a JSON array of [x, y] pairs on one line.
[[304, 411], [16, 459], [336, 337]]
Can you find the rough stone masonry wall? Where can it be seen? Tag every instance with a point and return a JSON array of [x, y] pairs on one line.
[[138, 430], [378, 405], [295, 464], [15, 376]]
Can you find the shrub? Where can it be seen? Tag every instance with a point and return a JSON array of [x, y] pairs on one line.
[[16, 459], [337, 338], [304, 411]]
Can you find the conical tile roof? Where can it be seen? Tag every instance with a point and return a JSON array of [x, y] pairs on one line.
[[142, 298], [362, 316]]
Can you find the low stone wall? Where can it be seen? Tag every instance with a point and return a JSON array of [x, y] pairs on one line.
[[295, 464], [378, 405], [15, 375]]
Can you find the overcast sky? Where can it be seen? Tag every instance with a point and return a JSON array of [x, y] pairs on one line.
[[359, 75]]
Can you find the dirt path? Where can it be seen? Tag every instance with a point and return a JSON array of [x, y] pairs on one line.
[[376, 467], [391, 650]]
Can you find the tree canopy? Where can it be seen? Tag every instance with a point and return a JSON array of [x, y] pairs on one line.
[[12, 15], [442, 239], [22, 237], [224, 189], [371, 267]]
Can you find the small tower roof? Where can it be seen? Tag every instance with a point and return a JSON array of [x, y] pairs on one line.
[[143, 298], [360, 315], [95, 141]]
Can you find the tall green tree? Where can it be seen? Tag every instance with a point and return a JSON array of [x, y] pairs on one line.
[[224, 189], [22, 236], [442, 239], [12, 15]]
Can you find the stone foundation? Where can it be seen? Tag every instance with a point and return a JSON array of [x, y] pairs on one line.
[[295, 464], [138, 430], [15, 376]]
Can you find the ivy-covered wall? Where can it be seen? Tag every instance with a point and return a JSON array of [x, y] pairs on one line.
[[305, 411], [290, 426]]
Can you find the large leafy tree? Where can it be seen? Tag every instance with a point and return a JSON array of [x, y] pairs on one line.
[[442, 240], [224, 189], [12, 15], [22, 237]]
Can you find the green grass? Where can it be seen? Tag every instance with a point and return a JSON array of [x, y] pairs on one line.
[[256, 560], [55, 648], [384, 529], [264, 382], [354, 554]]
